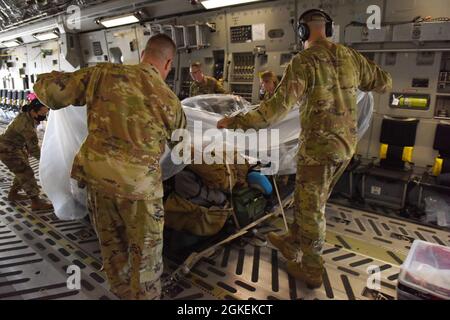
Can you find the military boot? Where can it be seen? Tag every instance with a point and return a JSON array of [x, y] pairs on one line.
[[312, 277], [14, 195], [286, 243], [38, 204]]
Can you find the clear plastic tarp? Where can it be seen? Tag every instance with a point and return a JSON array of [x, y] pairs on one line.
[[279, 153], [67, 129]]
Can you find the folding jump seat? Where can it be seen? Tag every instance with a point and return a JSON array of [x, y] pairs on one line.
[[14, 101], [438, 180], [386, 183], [8, 100], [22, 99], [2, 98]]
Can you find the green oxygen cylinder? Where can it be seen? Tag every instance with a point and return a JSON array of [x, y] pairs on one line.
[[414, 102]]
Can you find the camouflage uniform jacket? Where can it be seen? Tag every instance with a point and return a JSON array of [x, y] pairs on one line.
[[131, 113], [21, 133], [209, 86], [324, 79]]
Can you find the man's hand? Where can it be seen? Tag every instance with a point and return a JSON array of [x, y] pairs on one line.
[[225, 123]]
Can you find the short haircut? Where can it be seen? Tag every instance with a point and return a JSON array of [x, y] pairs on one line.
[[161, 47], [269, 75], [196, 64], [35, 105], [314, 16]]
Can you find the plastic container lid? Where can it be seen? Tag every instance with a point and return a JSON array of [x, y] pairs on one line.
[[427, 269]]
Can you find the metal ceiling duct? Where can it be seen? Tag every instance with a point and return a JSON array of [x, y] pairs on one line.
[[14, 13]]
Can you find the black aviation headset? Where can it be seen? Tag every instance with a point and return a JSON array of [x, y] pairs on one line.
[[303, 29]]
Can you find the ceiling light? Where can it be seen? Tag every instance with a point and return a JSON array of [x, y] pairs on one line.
[[11, 43], [118, 21], [212, 4], [54, 34]]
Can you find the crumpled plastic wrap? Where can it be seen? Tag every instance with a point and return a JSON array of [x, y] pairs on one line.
[[67, 129], [205, 109], [437, 210], [217, 103]]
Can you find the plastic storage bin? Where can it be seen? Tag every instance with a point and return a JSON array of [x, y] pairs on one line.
[[425, 275]]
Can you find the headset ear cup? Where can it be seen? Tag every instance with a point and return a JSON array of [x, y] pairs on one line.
[[329, 29], [303, 31]]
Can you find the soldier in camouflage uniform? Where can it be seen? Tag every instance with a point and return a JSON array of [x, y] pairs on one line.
[[325, 78], [269, 82], [131, 114], [16, 143], [203, 84]]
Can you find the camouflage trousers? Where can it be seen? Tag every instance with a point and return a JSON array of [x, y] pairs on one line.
[[131, 243], [313, 188], [17, 162]]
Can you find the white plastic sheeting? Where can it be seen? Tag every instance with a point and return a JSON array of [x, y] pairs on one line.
[[208, 109], [67, 129]]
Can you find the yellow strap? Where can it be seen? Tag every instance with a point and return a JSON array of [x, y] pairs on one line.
[[437, 168], [407, 154], [383, 151]]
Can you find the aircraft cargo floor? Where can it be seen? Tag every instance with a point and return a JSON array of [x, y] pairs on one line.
[[37, 248]]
